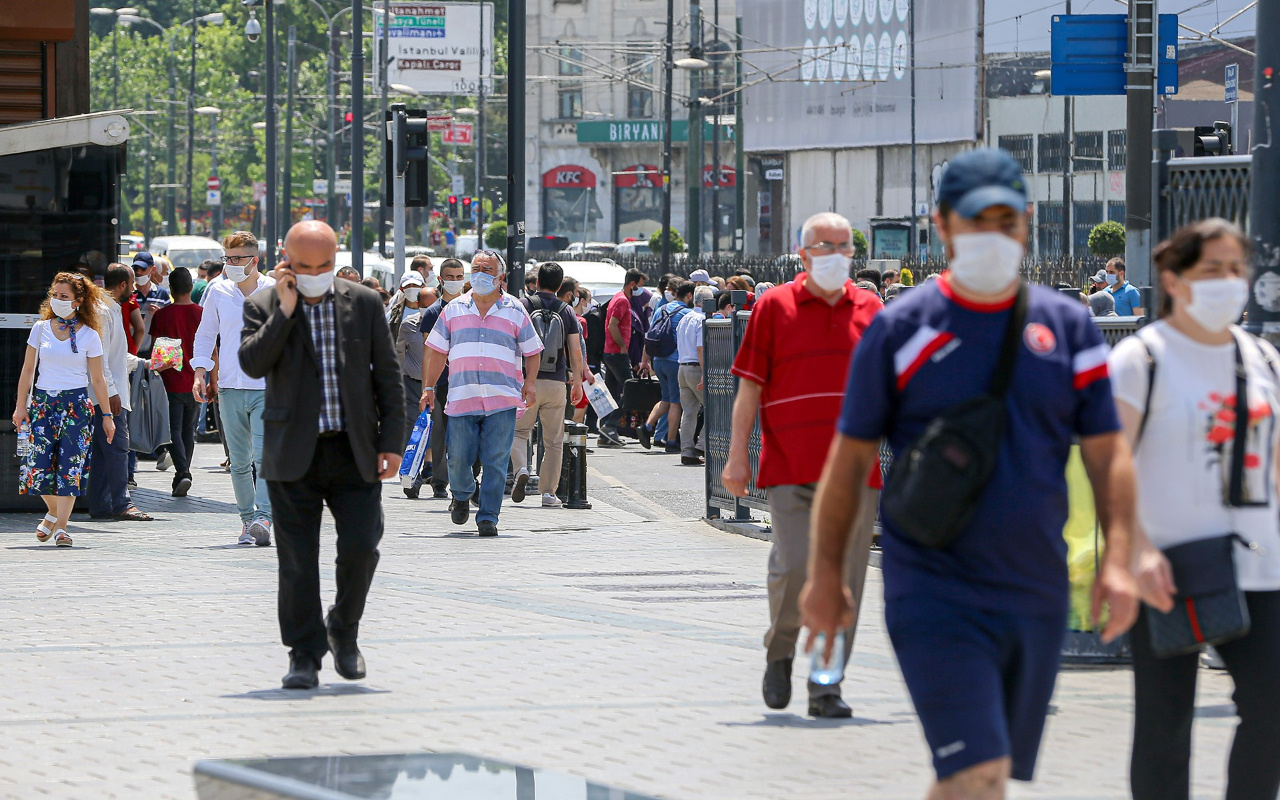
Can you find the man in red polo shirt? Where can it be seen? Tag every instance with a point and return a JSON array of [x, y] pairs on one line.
[[793, 364]]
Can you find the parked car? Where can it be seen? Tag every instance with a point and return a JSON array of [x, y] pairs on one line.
[[468, 244], [633, 249], [186, 251], [375, 266], [544, 248], [604, 278]]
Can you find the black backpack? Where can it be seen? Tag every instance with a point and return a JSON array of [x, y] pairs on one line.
[[550, 328], [660, 339], [595, 334], [934, 487]]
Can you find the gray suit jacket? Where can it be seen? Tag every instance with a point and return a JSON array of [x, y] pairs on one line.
[[280, 349]]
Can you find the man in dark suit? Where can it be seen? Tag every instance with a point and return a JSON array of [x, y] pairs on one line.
[[332, 425]]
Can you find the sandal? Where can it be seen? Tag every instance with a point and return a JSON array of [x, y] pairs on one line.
[[132, 514], [62, 539], [43, 531]]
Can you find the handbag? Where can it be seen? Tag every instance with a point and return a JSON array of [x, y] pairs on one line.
[[934, 487], [149, 417], [1209, 608]]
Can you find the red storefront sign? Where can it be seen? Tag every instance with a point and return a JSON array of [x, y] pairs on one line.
[[728, 177], [639, 176], [569, 176]]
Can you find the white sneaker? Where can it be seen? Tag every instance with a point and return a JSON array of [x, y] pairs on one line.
[[165, 461], [551, 501], [245, 536], [517, 489], [259, 532]]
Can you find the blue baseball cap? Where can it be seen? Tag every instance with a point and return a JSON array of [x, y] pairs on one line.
[[979, 179], [143, 259]]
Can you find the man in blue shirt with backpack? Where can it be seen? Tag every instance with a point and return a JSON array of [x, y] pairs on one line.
[[557, 328], [660, 358]]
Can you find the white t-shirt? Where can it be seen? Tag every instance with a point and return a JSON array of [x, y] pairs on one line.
[[60, 369], [1183, 461]]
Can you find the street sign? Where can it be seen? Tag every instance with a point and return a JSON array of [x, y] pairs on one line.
[[1089, 54], [457, 184], [259, 190], [213, 197], [435, 48], [458, 133], [1232, 83], [439, 124], [319, 186], [342, 186], [213, 184]]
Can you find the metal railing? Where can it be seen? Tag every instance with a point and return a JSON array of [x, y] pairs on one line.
[[1199, 188]]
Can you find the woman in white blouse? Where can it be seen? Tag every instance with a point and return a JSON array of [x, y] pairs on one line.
[[1175, 384], [64, 353]]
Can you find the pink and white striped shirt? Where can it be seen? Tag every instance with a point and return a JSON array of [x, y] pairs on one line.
[[486, 354]]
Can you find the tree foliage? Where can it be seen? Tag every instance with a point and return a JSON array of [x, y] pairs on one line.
[[677, 241], [1107, 239], [495, 236]]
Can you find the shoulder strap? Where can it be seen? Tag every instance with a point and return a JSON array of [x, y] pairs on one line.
[[1151, 387], [1009, 347], [535, 301], [1238, 445]]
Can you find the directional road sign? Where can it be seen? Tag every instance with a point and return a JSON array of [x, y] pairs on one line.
[[213, 184], [1232, 83], [1089, 54], [213, 197]]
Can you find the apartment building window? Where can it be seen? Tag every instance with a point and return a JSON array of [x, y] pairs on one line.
[[569, 96], [1115, 211], [1050, 152], [1022, 148], [1049, 228], [639, 96], [570, 103], [1085, 215], [570, 59], [1117, 148], [1089, 156]]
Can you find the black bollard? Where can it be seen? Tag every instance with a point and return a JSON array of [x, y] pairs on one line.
[[576, 464]]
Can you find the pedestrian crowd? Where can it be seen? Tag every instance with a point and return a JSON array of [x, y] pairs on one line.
[[981, 386]]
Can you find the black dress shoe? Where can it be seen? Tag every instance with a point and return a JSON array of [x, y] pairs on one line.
[[346, 658], [487, 528], [646, 436], [777, 683], [829, 706], [459, 511], [411, 492], [691, 461], [439, 494], [304, 672]]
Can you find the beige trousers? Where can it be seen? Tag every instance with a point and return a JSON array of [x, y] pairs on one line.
[[549, 407]]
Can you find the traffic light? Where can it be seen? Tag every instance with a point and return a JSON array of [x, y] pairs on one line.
[[466, 208], [453, 206], [1213, 140], [348, 117], [410, 127]]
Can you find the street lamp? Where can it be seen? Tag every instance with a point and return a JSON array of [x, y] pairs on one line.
[[212, 113], [116, 14], [402, 88]]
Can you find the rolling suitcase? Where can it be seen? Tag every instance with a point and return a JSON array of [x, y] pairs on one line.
[[639, 396]]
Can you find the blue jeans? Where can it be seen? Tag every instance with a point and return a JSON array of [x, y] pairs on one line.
[[241, 411], [490, 438]]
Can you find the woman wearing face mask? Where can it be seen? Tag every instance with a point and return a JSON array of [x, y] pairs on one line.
[[1176, 388], [64, 353], [409, 346]]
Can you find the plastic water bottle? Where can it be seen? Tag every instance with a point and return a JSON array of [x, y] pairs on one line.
[[24, 438], [829, 672]]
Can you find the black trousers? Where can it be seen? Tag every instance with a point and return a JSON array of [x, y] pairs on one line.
[[1164, 707], [183, 410], [296, 506]]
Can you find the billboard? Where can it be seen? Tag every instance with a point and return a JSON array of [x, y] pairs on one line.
[[435, 47], [835, 73]]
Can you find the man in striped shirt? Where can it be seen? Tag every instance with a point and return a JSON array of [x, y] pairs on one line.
[[483, 336]]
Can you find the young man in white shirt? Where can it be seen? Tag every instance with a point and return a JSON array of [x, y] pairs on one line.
[[240, 398]]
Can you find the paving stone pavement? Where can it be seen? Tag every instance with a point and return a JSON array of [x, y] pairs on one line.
[[621, 644]]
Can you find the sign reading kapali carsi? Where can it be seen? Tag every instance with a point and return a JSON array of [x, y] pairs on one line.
[[642, 132]]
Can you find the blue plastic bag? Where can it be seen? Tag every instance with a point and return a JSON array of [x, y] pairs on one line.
[[415, 453]]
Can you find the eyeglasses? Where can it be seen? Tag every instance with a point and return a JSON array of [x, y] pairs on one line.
[[236, 259], [827, 248]]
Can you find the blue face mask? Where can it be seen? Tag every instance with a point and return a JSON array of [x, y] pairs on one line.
[[482, 283]]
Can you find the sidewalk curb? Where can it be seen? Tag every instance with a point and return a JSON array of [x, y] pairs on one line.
[[759, 530]]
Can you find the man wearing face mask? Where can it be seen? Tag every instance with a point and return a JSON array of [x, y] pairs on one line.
[[488, 340], [150, 295], [977, 621], [1128, 298], [617, 343], [452, 284], [409, 346], [241, 397], [792, 364], [333, 427]]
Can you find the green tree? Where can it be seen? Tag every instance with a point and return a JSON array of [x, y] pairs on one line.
[[1107, 239], [677, 242], [860, 246], [496, 236]]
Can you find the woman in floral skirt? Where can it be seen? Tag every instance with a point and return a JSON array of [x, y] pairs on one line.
[[64, 353]]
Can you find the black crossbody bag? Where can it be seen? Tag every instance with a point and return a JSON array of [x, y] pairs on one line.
[[934, 487], [1209, 608]]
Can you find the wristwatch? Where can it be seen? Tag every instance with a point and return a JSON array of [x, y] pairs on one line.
[[431, 389]]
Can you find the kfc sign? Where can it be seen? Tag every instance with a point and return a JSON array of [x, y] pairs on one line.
[[728, 177], [569, 176], [639, 176]]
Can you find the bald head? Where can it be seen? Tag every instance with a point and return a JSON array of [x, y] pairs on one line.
[[311, 247]]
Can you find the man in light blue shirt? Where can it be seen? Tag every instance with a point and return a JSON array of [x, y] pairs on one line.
[[1128, 299]]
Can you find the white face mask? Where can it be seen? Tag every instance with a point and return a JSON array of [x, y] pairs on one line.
[[236, 272], [1218, 302], [985, 263], [670, 296], [143, 281], [314, 286], [637, 292], [1112, 279], [411, 294], [453, 287], [63, 308], [829, 272]]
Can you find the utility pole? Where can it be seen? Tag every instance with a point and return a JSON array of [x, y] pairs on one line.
[[516, 39], [913, 247], [191, 112], [739, 155], [273, 170], [115, 63], [331, 167], [696, 154], [478, 207], [213, 170], [385, 192], [1068, 172], [357, 135], [715, 138], [670, 67], [1140, 88], [146, 181], [286, 207], [171, 166], [1264, 205]]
